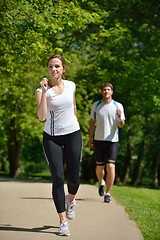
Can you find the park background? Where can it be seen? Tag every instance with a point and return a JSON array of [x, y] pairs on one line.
[[102, 41]]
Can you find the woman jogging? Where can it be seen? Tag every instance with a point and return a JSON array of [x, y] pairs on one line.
[[61, 138]]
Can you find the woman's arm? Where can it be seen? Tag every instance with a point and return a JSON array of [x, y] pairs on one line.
[[42, 101], [74, 102]]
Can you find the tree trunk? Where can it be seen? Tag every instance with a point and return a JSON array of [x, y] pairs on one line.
[[126, 165], [135, 176], [155, 170], [14, 149], [3, 164], [144, 171]]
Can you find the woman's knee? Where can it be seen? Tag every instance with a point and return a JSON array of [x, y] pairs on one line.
[[73, 186]]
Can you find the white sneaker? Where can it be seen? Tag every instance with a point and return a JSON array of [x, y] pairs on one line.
[[70, 209], [64, 228]]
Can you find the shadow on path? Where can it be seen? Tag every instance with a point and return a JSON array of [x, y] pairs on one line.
[[7, 227]]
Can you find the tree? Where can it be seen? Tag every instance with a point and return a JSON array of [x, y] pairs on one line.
[[30, 32], [116, 41]]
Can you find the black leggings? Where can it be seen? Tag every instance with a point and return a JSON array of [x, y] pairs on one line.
[[68, 148]]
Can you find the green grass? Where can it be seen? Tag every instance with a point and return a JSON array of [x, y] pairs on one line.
[[142, 206]]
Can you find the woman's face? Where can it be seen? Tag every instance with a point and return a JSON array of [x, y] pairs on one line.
[[55, 68]]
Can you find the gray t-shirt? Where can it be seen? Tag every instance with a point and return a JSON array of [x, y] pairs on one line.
[[61, 118], [106, 120]]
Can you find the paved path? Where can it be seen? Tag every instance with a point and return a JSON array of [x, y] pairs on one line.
[[27, 213]]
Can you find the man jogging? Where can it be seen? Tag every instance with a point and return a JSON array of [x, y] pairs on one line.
[[107, 116]]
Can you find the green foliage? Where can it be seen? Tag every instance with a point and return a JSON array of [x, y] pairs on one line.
[[143, 206], [33, 162], [116, 41]]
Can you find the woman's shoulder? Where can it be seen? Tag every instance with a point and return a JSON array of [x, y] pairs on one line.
[[68, 82]]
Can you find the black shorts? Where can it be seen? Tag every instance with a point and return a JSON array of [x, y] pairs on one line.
[[105, 152]]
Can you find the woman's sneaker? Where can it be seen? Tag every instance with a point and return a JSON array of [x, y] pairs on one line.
[[107, 198], [70, 209], [64, 228]]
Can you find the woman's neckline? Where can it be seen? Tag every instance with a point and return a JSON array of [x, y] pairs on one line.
[[58, 89]]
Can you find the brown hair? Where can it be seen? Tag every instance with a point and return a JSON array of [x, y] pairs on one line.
[[107, 84], [59, 57]]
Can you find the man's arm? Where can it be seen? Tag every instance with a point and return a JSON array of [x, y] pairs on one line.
[[91, 131], [121, 121]]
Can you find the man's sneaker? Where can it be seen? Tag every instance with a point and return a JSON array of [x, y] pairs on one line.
[[70, 209], [64, 228], [101, 190], [107, 198]]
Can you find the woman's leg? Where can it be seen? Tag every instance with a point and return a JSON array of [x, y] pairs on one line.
[[54, 156], [72, 156]]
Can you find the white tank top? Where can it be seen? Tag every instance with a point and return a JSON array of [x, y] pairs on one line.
[[61, 118]]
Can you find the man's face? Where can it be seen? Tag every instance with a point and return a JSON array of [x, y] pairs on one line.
[[107, 92]]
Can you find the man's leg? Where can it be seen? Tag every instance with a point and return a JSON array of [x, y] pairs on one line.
[[100, 174], [110, 168], [100, 164]]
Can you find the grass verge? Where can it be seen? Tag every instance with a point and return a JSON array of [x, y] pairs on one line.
[[142, 206]]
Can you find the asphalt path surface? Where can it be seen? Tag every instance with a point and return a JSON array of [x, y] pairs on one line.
[[27, 212]]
